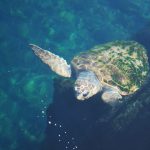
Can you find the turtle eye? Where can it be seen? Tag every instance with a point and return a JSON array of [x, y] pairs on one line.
[[85, 94]]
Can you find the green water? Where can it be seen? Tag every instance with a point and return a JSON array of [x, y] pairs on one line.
[[64, 27]]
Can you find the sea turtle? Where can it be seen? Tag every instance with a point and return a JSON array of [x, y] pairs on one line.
[[115, 69]]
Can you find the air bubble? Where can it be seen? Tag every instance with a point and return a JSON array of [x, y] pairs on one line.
[[50, 122]]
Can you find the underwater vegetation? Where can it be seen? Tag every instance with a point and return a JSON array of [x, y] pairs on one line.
[[26, 85], [23, 103]]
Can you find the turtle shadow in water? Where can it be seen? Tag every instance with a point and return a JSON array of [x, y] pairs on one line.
[[92, 124]]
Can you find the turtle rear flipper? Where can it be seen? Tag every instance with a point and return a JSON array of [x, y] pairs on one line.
[[56, 63]]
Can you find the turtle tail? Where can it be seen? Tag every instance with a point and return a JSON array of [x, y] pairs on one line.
[[56, 63]]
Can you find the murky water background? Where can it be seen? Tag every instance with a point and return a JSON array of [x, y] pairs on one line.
[[64, 27]]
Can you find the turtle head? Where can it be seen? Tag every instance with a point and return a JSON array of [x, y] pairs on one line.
[[86, 85]]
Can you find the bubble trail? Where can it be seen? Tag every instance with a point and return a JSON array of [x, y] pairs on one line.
[[63, 136]]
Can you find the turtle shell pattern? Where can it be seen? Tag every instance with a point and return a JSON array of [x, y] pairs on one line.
[[121, 64]]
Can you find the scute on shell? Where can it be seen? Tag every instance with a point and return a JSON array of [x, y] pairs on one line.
[[121, 64]]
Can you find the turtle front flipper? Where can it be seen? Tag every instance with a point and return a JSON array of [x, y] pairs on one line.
[[111, 95], [56, 63]]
